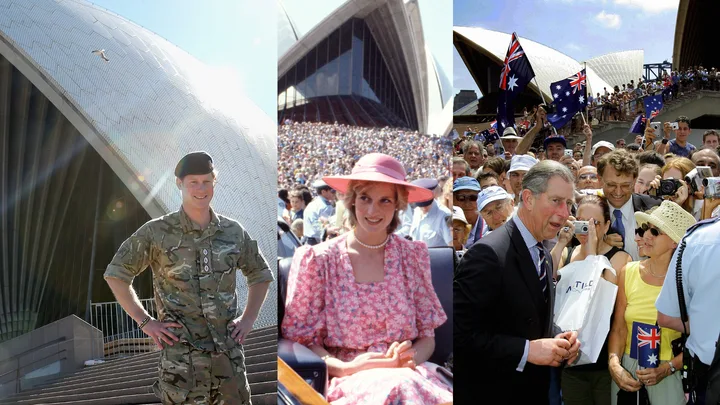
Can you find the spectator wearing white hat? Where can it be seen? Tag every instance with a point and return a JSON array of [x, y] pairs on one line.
[[599, 150], [496, 207], [460, 231], [510, 141], [519, 165]]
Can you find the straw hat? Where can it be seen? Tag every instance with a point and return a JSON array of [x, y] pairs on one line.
[[382, 168], [670, 218]]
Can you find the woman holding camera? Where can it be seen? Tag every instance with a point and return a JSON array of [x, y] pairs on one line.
[[639, 285], [590, 383], [364, 302], [672, 178]]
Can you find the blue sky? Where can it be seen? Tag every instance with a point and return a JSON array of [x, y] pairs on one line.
[[236, 36], [580, 29]]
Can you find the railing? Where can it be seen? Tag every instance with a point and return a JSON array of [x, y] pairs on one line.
[[121, 335]]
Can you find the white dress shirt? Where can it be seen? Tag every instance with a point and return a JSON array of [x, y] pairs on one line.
[[628, 220]]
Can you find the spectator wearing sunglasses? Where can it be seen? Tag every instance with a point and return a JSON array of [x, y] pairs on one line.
[[465, 196], [639, 284]]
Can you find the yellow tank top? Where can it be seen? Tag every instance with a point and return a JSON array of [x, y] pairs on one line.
[[641, 298]]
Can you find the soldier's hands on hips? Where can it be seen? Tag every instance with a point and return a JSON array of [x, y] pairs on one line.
[[240, 328], [160, 333]]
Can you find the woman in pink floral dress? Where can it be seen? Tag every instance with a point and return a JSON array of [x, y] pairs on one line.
[[364, 301]]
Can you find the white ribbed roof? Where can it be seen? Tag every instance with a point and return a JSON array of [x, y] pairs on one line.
[[549, 65], [619, 68], [146, 108]]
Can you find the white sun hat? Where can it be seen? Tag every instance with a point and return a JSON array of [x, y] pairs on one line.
[[670, 218]]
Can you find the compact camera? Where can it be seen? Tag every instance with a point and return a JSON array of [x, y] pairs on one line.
[[674, 125], [712, 187], [581, 227], [667, 187], [569, 152], [657, 126], [695, 178]]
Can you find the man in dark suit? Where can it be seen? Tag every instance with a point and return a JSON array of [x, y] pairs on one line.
[[618, 171], [503, 300]]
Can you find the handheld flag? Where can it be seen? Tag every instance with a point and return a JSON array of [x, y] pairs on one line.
[[515, 75], [570, 97], [638, 125], [653, 105], [645, 343]]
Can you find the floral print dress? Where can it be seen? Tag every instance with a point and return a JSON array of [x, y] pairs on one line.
[[326, 306]]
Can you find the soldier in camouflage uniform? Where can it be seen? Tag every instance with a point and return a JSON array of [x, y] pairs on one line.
[[194, 254]]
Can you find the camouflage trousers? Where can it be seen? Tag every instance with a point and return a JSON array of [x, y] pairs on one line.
[[192, 376]]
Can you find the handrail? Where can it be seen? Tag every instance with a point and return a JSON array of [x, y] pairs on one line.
[[301, 390], [33, 362], [58, 340]]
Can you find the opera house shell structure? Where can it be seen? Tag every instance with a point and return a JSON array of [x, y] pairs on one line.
[[88, 148], [363, 63], [483, 52]]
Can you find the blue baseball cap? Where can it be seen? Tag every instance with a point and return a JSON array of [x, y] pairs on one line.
[[552, 139], [466, 183], [490, 194]]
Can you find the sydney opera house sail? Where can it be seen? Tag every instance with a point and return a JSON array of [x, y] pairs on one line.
[[88, 144], [360, 62]]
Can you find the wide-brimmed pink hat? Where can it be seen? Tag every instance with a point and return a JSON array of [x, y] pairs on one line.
[[381, 168]]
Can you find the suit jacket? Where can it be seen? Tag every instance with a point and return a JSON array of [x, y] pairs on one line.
[[498, 306], [642, 202]]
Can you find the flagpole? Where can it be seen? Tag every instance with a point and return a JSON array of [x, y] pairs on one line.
[[587, 86], [543, 99]]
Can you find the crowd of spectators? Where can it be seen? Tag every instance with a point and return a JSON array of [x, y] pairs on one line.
[[308, 150], [314, 211], [641, 200]]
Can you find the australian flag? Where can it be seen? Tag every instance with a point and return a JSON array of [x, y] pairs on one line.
[[645, 344], [515, 75], [638, 125], [570, 96], [653, 105], [489, 135]]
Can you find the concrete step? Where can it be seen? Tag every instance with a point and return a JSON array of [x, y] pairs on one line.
[[149, 399], [260, 363], [117, 383]]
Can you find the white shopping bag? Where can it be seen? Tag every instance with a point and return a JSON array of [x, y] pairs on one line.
[[584, 301]]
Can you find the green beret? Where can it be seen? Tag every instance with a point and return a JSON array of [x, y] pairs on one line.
[[194, 163]]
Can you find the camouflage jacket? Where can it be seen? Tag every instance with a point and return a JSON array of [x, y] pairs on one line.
[[194, 273]]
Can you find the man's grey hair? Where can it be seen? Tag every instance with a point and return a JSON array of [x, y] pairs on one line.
[[537, 178]]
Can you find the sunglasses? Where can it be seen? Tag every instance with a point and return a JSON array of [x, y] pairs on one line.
[[463, 198], [645, 227]]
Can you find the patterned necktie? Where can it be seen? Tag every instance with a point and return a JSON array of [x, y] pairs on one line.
[[618, 224], [542, 266]]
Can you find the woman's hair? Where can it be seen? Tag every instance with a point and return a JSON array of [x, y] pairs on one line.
[[356, 187], [685, 166], [599, 201]]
